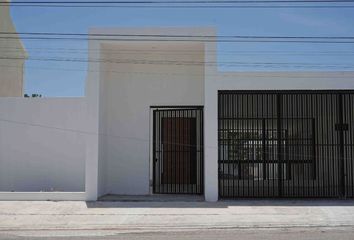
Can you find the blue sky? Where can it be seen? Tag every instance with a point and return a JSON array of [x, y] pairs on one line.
[[68, 79]]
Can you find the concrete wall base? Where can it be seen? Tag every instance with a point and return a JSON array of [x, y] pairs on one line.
[[42, 196]]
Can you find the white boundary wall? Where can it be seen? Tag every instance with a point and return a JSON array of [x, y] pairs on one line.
[[51, 145], [43, 148]]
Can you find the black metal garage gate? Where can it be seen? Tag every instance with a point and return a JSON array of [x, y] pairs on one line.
[[286, 143], [178, 150]]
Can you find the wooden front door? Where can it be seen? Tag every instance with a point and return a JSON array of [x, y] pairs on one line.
[[179, 151]]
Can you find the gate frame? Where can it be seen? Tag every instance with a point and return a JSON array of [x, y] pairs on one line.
[[340, 133], [152, 148]]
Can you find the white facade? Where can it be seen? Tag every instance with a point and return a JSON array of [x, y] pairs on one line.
[[107, 135]]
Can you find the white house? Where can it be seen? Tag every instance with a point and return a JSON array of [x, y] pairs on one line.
[[159, 118]]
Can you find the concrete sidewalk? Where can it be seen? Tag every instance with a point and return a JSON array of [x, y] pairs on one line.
[[122, 217]]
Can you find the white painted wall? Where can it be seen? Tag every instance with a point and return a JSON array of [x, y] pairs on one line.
[[128, 89], [43, 144], [210, 125], [285, 80]]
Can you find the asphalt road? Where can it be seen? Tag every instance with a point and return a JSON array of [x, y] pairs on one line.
[[230, 234]]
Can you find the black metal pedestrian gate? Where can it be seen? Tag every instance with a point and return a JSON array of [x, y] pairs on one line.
[[178, 150], [286, 143]]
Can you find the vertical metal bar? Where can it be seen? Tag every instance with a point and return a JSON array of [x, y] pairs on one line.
[[198, 163], [178, 148], [193, 174], [246, 164], [185, 147], [351, 143], [164, 151], [287, 163], [243, 130], [290, 145], [162, 148], [186, 150], [320, 166], [232, 164], [327, 144], [313, 149], [268, 126], [190, 150], [341, 172], [158, 149], [279, 142], [269, 116], [203, 155], [201, 151], [304, 188], [284, 163], [319, 127], [324, 153], [296, 109], [318, 144], [296, 151], [191, 154], [241, 127], [345, 141], [158, 145], [264, 165], [229, 186], [175, 149], [169, 152], [311, 146], [161, 158], [219, 143], [333, 145], [154, 152], [225, 141], [186, 175], [303, 104], [273, 154], [307, 104], [275, 151], [251, 143], [302, 141], [196, 154], [259, 145]]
